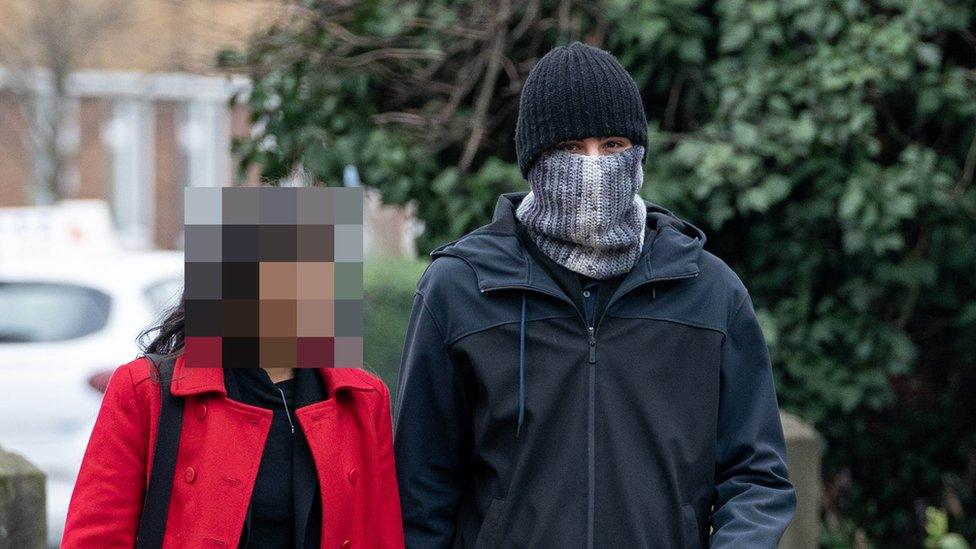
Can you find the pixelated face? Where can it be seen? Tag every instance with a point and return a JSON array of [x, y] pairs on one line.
[[273, 277]]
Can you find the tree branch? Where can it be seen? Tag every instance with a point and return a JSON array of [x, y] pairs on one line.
[[487, 88]]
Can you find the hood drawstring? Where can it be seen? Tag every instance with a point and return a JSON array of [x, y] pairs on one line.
[[653, 291], [521, 395]]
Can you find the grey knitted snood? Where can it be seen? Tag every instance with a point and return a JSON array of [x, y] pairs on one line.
[[584, 211]]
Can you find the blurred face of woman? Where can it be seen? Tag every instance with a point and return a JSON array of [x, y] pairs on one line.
[[593, 146]]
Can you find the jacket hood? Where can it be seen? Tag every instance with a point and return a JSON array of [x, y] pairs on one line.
[[672, 250]]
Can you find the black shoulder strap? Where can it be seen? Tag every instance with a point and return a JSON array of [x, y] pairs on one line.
[[152, 523]]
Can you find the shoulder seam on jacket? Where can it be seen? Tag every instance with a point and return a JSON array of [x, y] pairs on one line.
[[680, 321], [430, 313], [487, 327], [735, 313]]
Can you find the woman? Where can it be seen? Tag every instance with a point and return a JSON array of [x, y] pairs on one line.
[[283, 457]]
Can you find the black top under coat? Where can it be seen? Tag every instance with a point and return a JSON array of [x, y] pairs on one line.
[[286, 503]]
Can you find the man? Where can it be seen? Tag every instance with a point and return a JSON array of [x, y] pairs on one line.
[[580, 372]]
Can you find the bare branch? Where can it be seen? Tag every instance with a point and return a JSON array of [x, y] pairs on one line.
[[407, 118], [487, 88], [967, 170], [387, 53], [467, 81], [462, 32], [674, 97]]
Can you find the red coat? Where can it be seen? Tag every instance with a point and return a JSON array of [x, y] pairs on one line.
[[221, 443]]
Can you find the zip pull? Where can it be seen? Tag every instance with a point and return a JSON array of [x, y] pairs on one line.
[[592, 345], [286, 409]]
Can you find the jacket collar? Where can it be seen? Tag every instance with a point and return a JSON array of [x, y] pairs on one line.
[[671, 251], [189, 381]]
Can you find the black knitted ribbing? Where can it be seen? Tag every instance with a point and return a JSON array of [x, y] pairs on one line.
[[573, 92]]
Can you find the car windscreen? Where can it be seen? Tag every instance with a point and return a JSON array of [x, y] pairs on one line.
[[37, 312]]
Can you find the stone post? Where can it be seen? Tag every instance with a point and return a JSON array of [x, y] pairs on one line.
[[23, 517], [803, 455]]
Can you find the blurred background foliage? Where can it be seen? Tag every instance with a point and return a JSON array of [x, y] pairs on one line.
[[388, 288], [826, 147]]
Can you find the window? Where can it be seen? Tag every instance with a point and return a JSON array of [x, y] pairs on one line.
[[36, 312], [203, 135], [130, 137]]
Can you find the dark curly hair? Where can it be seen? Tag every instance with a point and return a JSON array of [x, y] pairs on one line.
[[168, 338]]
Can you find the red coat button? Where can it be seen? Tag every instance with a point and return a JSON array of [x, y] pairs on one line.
[[202, 411], [346, 544], [190, 474], [352, 476]]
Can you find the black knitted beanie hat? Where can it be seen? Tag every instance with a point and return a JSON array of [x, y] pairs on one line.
[[573, 92]]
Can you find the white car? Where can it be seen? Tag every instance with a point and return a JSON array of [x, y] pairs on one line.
[[65, 325]]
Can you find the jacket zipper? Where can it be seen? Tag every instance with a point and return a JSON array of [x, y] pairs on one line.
[[591, 332], [286, 409], [592, 345], [591, 441]]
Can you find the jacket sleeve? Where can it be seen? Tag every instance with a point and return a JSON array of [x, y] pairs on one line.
[[106, 501], [432, 434], [753, 501]]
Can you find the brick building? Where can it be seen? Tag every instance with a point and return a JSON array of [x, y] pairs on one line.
[[137, 140], [145, 114]]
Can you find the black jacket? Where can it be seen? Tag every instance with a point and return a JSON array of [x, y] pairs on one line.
[[518, 424]]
